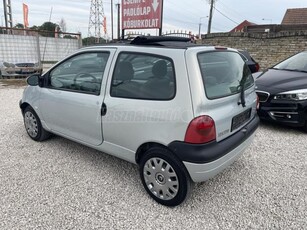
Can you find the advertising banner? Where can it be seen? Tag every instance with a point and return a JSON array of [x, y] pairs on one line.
[[141, 14], [25, 15]]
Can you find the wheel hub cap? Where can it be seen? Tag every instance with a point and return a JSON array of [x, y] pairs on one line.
[[160, 178], [31, 124]]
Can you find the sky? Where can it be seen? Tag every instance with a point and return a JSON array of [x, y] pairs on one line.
[[178, 14]]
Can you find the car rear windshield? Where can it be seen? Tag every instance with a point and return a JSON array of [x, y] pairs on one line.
[[223, 73]]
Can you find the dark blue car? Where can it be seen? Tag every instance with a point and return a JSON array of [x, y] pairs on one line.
[[282, 92]]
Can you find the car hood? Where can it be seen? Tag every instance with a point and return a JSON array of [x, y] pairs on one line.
[[276, 81]]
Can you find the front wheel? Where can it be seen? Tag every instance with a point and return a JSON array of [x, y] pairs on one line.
[[33, 125], [164, 177]]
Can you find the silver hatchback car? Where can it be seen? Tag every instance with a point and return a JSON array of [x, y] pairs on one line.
[[182, 112]]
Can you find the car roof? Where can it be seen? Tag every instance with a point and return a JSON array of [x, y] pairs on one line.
[[155, 41]]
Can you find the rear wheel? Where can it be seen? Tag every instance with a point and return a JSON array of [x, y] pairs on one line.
[[164, 177], [33, 125]]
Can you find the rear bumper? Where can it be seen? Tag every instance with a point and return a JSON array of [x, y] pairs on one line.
[[204, 161], [202, 172]]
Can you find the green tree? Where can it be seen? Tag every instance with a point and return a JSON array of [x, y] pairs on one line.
[[68, 36], [34, 27], [48, 29], [19, 26], [92, 41]]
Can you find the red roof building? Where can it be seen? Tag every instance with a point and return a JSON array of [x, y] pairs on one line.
[[240, 27], [295, 16]]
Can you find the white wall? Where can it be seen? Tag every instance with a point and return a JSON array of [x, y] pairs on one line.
[[19, 48], [55, 49]]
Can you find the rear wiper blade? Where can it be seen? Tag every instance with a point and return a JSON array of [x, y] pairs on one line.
[[242, 96], [242, 89]]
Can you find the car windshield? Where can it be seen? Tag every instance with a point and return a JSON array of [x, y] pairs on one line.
[[224, 73], [297, 62]]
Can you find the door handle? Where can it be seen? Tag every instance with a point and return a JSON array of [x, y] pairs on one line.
[[103, 109]]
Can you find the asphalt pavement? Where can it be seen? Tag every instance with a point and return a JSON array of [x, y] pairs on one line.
[[58, 184]]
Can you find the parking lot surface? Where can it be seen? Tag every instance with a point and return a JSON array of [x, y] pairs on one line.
[[58, 184]]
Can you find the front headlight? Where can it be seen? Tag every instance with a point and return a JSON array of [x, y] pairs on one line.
[[297, 95]]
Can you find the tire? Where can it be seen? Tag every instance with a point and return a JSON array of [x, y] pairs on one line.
[[33, 125], [164, 177]]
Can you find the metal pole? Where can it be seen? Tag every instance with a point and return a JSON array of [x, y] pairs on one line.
[[80, 41], [118, 21], [38, 51], [111, 19], [47, 36], [10, 16], [160, 30], [5, 13], [210, 17]]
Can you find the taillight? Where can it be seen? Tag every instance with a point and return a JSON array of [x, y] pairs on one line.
[[257, 67], [200, 130]]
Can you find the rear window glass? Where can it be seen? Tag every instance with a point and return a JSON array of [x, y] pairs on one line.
[[223, 73]]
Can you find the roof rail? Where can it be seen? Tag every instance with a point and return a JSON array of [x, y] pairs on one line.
[[143, 40]]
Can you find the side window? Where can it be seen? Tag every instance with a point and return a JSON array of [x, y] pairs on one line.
[[143, 76], [82, 73]]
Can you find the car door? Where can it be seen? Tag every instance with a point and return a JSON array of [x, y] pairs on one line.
[[144, 101], [72, 98]]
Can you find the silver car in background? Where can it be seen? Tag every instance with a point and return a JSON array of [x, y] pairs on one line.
[[19, 69]]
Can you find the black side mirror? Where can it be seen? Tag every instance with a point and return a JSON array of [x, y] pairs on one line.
[[33, 80]]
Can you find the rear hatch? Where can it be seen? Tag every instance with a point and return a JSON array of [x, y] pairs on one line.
[[222, 88]]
